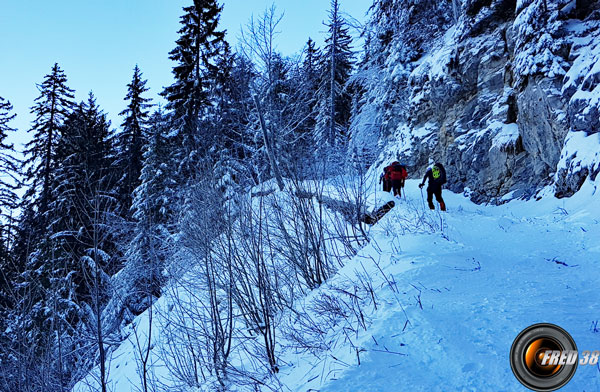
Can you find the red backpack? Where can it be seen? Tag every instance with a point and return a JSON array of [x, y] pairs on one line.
[[387, 173], [398, 172]]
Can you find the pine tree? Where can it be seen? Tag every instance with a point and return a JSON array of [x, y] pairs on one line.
[[152, 197], [220, 92], [153, 211], [86, 173], [72, 255], [235, 142], [80, 255], [279, 91], [9, 170], [51, 108], [8, 202], [288, 106], [240, 102], [197, 49], [308, 81], [57, 275], [130, 142], [310, 65], [8, 270], [31, 252], [334, 109], [226, 122]]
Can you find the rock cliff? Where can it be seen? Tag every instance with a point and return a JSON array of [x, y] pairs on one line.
[[505, 93]]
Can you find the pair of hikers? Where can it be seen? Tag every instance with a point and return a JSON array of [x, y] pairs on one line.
[[394, 177]]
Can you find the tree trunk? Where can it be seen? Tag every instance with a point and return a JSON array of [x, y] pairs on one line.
[[332, 85], [97, 307], [48, 157], [268, 146]]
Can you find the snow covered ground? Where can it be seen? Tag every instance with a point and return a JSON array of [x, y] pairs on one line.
[[450, 292]]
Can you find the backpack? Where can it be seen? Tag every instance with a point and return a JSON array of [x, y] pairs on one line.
[[387, 172], [398, 171], [439, 173]]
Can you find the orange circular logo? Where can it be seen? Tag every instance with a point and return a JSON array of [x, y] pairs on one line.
[[543, 357]]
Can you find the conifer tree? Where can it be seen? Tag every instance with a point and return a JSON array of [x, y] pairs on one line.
[[72, 254], [309, 83], [310, 65], [226, 123], [153, 195], [51, 108], [130, 142], [86, 172], [220, 93], [9, 170], [8, 201], [334, 109], [8, 270], [235, 139], [153, 212], [31, 251], [81, 255], [197, 49]]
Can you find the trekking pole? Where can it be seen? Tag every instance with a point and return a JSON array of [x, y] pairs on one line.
[[422, 199]]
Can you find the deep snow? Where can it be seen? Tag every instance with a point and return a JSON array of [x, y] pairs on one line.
[[468, 281]]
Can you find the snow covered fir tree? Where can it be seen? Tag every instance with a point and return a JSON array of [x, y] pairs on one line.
[[231, 231]]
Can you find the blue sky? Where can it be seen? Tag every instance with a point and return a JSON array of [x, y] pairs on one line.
[[98, 43]]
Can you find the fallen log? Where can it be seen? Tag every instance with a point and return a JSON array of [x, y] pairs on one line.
[[375, 216]]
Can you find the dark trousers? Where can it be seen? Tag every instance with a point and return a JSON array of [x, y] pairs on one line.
[[437, 191], [397, 186], [387, 185]]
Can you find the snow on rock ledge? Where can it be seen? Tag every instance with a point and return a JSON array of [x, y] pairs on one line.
[[579, 160]]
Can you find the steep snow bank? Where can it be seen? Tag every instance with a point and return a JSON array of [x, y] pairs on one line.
[[432, 303]]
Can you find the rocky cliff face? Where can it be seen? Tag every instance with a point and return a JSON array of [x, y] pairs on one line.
[[505, 93]]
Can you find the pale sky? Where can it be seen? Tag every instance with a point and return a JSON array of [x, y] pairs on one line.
[[97, 44]]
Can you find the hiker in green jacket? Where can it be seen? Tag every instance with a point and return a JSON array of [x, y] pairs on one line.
[[436, 175]]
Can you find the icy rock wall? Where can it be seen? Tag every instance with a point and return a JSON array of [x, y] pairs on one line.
[[491, 88]]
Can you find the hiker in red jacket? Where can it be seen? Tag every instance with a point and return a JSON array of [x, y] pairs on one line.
[[398, 176], [385, 178]]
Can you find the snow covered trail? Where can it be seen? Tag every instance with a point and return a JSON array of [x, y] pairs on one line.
[[468, 281], [467, 296]]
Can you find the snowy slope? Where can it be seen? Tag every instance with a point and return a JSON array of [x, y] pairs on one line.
[[449, 294], [496, 273]]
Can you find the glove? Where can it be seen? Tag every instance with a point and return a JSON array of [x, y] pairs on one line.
[[421, 186]]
